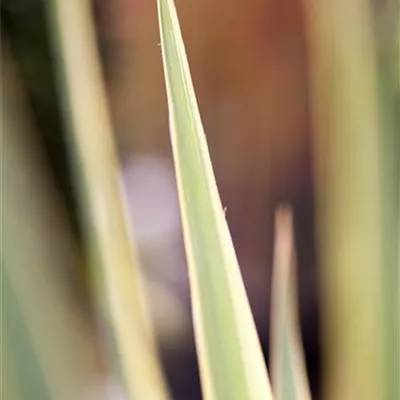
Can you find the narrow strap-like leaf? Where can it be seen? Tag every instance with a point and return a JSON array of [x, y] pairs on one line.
[[289, 376], [114, 264], [39, 320], [231, 361], [348, 145]]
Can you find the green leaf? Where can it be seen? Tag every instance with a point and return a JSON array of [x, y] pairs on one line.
[[231, 361], [48, 350], [348, 145], [115, 269], [10, 378], [289, 376], [387, 28]]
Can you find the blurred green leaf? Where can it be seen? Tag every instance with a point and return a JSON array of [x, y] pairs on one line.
[[230, 356], [10, 386], [115, 269], [386, 16], [289, 375], [348, 143], [49, 354]]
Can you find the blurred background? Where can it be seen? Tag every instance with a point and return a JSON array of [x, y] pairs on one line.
[[250, 66]]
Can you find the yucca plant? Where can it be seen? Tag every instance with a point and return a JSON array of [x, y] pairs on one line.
[[358, 223], [231, 360]]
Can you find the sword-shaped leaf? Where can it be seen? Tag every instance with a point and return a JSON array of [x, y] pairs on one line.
[[289, 376], [230, 357]]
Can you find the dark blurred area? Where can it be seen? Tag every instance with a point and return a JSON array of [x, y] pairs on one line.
[[249, 65]]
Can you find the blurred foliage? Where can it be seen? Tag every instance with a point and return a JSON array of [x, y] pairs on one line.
[[387, 30], [116, 277], [354, 72], [49, 343], [24, 23]]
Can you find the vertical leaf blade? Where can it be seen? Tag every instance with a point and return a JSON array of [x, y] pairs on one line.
[[114, 265], [48, 351], [348, 148], [289, 376], [230, 356], [386, 14]]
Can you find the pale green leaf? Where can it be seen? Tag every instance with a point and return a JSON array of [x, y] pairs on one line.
[[350, 200], [114, 265], [387, 30], [289, 376], [48, 352], [231, 361]]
